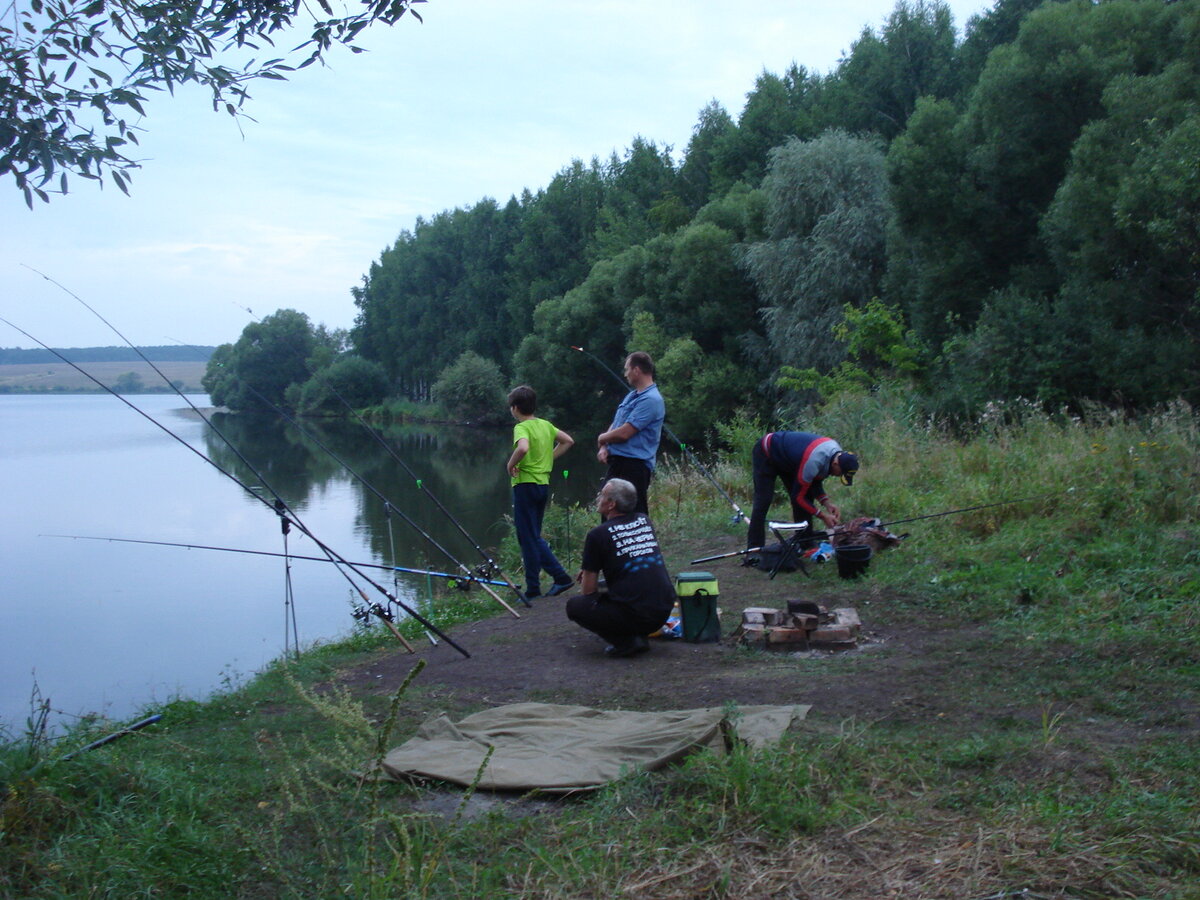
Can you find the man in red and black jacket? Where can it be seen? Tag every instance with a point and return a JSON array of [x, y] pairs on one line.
[[803, 460]]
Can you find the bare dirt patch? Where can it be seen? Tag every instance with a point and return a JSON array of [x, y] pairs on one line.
[[542, 656]]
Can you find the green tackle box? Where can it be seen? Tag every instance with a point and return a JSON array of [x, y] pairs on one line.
[[697, 592]]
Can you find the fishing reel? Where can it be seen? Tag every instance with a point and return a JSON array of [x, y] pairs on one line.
[[366, 613]]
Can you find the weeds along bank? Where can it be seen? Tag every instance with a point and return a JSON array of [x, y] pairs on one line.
[[1059, 755]]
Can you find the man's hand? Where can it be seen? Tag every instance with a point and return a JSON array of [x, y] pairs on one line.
[[602, 454]]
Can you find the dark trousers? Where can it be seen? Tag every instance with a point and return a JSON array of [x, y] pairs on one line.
[[764, 492], [529, 509], [636, 472], [613, 620]]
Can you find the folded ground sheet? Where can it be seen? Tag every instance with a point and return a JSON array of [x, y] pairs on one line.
[[568, 748]]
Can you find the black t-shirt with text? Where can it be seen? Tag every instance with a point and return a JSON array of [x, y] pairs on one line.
[[626, 550]]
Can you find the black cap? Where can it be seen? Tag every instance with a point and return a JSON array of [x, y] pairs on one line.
[[849, 463]]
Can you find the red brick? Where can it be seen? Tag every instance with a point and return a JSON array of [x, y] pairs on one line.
[[781, 635], [832, 634]]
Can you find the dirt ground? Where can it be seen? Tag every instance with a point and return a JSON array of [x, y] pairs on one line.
[[542, 656]]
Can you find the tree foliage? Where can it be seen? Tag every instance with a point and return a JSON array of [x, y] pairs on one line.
[[349, 380], [254, 373], [75, 75], [471, 389], [1012, 214], [827, 214]]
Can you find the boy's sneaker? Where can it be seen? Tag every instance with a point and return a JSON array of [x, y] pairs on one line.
[[532, 595], [560, 587]]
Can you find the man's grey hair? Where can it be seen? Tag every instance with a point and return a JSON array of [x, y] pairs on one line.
[[622, 493]]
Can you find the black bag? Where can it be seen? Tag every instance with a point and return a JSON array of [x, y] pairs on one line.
[[768, 558]]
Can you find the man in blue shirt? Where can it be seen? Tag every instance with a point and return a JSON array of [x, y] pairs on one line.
[[631, 441]]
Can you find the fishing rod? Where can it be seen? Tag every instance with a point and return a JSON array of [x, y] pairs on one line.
[[116, 735], [372, 609], [461, 581], [899, 522], [738, 514], [490, 565], [705, 559], [279, 507], [388, 505], [951, 512]]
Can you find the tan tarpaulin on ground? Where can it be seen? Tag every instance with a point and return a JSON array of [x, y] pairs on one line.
[[568, 748]]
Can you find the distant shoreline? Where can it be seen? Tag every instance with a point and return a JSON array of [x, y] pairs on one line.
[[125, 377]]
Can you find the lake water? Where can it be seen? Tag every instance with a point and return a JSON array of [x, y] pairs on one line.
[[113, 628]]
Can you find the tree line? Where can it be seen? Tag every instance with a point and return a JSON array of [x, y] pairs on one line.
[[1009, 213]]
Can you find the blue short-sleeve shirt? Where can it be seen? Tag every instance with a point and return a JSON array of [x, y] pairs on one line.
[[645, 411]]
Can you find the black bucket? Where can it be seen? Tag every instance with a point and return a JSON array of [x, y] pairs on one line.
[[852, 560]]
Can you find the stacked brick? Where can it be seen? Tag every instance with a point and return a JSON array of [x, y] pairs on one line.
[[804, 626]]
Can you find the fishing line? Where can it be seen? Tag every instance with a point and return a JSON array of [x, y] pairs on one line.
[[490, 564], [339, 562], [738, 514]]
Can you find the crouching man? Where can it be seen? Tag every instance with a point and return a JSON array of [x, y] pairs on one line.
[[638, 594]]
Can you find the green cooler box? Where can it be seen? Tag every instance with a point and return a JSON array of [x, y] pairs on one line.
[[697, 593]]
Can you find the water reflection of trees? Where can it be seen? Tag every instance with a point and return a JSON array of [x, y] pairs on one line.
[[462, 468], [268, 449]]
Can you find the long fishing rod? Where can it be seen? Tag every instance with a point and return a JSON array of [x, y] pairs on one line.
[[388, 505], [491, 566], [951, 512], [374, 609], [738, 514], [460, 580], [334, 557], [279, 507], [705, 559]]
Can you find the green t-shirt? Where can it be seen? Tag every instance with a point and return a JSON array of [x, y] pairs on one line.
[[535, 466]]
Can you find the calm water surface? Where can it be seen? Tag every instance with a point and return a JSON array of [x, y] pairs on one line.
[[113, 628]]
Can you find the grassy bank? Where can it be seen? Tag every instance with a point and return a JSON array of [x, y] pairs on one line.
[[1058, 753]]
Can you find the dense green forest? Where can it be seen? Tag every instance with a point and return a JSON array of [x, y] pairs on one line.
[[1009, 211]]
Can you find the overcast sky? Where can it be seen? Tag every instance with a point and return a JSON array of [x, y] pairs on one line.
[[483, 99]]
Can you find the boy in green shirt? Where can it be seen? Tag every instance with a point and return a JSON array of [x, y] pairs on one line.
[[536, 444]]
